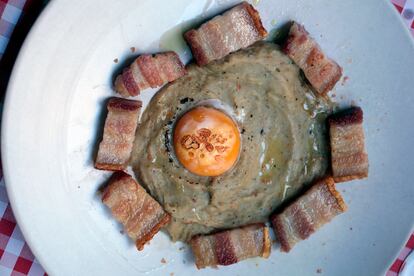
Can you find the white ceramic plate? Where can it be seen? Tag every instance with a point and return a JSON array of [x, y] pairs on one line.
[[53, 114]]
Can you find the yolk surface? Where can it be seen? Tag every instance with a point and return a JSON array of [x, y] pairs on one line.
[[206, 141]]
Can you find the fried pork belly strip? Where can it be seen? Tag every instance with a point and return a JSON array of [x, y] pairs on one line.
[[322, 72], [149, 71], [141, 216], [237, 28], [231, 246], [348, 156], [119, 133], [307, 214]]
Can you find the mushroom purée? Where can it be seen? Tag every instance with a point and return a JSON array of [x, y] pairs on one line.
[[280, 124]]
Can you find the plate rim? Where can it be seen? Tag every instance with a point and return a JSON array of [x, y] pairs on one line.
[[41, 22], [5, 118]]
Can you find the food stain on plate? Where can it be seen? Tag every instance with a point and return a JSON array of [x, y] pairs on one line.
[[173, 40]]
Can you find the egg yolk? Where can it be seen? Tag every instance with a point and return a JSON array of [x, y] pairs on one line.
[[206, 141]]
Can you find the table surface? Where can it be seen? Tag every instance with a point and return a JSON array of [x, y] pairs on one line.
[[17, 16]]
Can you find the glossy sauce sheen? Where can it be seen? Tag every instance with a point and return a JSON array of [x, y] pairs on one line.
[[283, 141]]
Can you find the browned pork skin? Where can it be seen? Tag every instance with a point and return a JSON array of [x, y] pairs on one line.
[[322, 72], [237, 28], [141, 216], [231, 246], [307, 214], [349, 158], [119, 132], [149, 71]]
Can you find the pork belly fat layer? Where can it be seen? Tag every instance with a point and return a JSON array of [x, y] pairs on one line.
[[235, 29], [308, 213], [231, 246], [322, 72], [348, 155], [141, 216], [149, 71], [119, 132]]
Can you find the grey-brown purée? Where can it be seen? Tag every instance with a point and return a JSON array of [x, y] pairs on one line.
[[284, 143]]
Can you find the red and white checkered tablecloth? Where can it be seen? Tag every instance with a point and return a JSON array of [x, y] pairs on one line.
[[16, 18], [10, 13]]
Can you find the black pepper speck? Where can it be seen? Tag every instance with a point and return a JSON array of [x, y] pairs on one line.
[[185, 100], [166, 141]]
